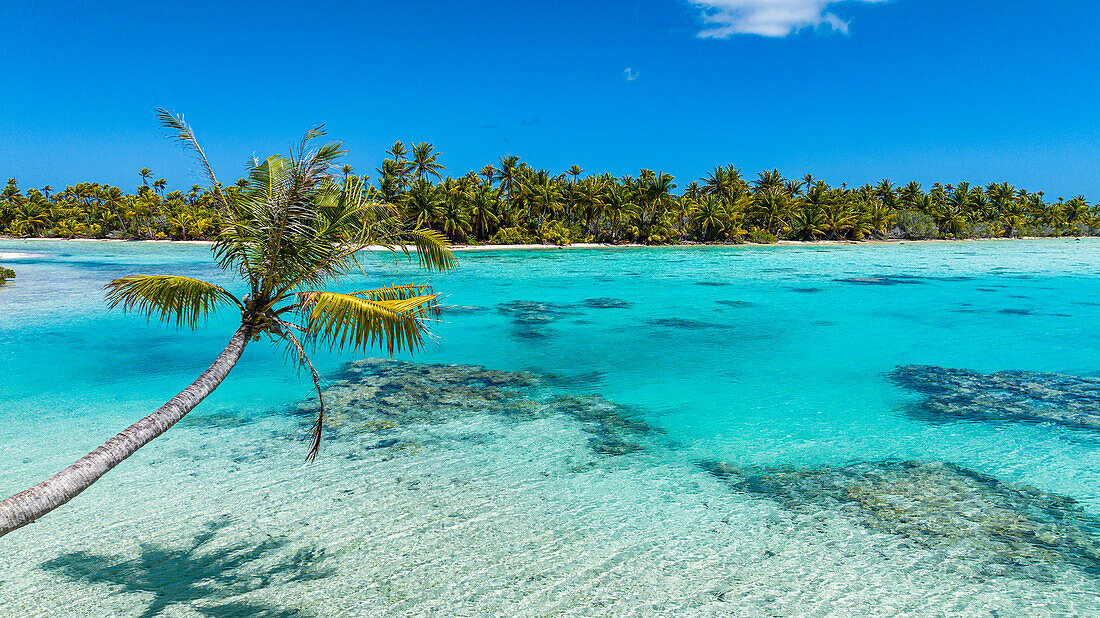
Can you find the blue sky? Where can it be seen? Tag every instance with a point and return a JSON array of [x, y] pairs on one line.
[[851, 91]]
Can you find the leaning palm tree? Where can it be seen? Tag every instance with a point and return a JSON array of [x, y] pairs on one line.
[[287, 234]]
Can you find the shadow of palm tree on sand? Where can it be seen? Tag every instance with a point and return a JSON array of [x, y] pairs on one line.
[[198, 575]]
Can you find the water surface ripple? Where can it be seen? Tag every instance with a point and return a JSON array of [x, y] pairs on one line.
[[754, 430]]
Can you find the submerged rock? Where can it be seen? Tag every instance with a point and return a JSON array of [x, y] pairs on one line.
[[465, 309], [1002, 396], [606, 303], [681, 323], [375, 396], [735, 303], [219, 419], [935, 504], [881, 280], [529, 318]]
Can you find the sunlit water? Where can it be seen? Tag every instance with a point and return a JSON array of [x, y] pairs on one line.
[[753, 356]]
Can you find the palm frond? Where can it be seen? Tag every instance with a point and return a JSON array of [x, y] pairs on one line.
[[180, 131], [303, 361], [407, 291], [432, 249], [168, 297], [393, 317], [282, 232]]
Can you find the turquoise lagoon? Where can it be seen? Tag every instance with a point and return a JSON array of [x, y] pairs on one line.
[[716, 431]]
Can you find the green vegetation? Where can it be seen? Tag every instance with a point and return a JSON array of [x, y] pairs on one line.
[[288, 231], [5, 274], [513, 203]]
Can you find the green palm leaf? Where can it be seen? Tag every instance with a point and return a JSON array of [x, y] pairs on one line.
[[393, 317], [169, 297], [432, 249]]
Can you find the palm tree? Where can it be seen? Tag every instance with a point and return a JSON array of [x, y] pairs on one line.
[[708, 216], [509, 176], [910, 195], [424, 161], [397, 151], [399, 168], [1077, 210], [838, 217], [1014, 217], [575, 171], [952, 213], [769, 181], [590, 196], [771, 205], [509, 172], [488, 173], [29, 219], [289, 232], [809, 222], [620, 206], [880, 218], [483, 199], [717, 181], [423, 203]]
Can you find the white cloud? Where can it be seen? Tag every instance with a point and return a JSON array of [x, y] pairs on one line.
[[630, 74], [774, 18]]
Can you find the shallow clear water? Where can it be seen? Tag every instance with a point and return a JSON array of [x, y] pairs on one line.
[[755, 357]]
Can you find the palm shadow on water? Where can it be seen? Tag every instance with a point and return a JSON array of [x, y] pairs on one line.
[[198, 572]]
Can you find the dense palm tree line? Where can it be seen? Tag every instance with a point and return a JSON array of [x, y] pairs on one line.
[[512, 202]]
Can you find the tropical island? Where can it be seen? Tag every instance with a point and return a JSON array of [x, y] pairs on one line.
[[615, 377], [512, 203]]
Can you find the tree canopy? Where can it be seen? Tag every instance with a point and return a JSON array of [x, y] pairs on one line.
[[512, 202]]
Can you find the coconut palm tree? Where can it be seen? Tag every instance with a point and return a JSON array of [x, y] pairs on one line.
[[483, 200], [1077, 210], [838, 217], [290, 231], [620, 207], [488, 173], [769, 181], [708, 217], [423, 203], [770, 205], [808, 222], [424, 161], [575, 171]]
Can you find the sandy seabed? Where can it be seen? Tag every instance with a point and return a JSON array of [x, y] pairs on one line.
[[475, 515]]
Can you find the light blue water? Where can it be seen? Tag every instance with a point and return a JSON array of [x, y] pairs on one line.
[[779, 363]]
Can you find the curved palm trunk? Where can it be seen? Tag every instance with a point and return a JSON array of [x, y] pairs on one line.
[[30, 504]]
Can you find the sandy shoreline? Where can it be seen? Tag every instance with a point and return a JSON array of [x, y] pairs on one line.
[[533, 247]]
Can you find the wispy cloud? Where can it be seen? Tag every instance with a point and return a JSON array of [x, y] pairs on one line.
[[774, 18], [630, 74]]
